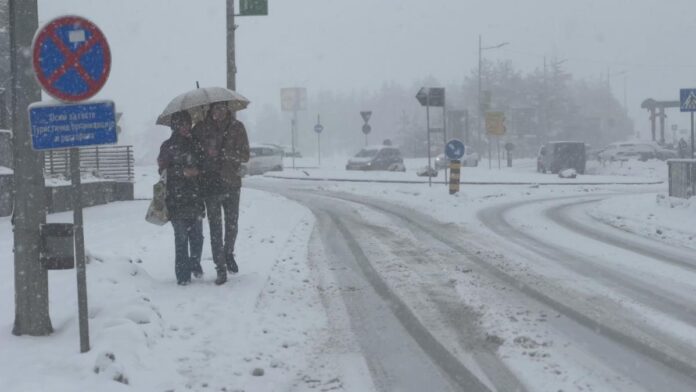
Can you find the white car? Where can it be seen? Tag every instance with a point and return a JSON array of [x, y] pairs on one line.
[[470, 159], [641, 151], [263, 158]]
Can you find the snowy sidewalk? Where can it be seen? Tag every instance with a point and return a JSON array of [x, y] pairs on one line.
[[259, 332]]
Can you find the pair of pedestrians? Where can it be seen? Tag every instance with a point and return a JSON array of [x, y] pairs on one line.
[[203, 165]]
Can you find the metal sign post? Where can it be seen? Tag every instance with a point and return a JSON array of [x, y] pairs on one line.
[[293, 130], [427, 122], [318, 128], [688, 104], [432, 96], [72, 60], [495, 126], [293, 99]]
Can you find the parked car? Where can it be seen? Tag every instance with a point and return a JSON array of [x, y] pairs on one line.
[[377, 158], [557, 156], [470, 159], [263, 158], [641, 151]]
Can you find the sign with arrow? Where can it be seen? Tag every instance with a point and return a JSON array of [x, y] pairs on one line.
[[454, 149], [431, 96]]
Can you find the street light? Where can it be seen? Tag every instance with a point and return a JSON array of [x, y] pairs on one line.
[[480, 107]]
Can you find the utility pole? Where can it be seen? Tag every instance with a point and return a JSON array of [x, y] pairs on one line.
[[479, 131], [231, 54], [30, 278]]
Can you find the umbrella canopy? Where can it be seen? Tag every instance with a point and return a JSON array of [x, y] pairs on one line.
[[197, 102]]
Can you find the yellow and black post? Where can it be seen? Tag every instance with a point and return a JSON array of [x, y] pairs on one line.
[[454, 166]]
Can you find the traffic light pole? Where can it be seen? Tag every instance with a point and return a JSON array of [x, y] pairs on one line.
[[30, 278]]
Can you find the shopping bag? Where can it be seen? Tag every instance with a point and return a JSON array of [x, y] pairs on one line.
[[157, 213]]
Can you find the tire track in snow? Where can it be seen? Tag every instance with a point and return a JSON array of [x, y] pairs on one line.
[[645, 349]]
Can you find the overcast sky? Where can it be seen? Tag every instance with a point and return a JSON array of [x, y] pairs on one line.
[[161, 47]]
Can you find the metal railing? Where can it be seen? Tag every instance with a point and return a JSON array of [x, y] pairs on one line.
[[682, 177], [108, 162]]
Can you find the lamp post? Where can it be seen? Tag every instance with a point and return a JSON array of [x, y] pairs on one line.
[[480, 62]]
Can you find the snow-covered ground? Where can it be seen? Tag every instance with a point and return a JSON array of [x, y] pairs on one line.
[[271, 328], [653, 215], [262, 331]]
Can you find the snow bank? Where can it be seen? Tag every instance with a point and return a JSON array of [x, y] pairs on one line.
[[653, 215], [653, 169], [5, 171]]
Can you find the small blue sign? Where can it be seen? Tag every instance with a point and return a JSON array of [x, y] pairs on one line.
[[454, 149], [687, 99], [74, 125], [318, 128]]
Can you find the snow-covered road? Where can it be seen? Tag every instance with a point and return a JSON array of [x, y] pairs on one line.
[[624, 314]]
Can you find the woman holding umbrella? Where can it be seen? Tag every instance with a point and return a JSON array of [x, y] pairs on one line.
[[223, 146], [178, 156]]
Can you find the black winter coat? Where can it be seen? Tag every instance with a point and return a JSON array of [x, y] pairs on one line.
[[183, 199]]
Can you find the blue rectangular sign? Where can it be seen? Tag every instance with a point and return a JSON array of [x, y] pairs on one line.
[[687, 99], [72, 125]]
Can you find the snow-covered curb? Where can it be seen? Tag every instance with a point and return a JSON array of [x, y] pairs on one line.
[[655, 216]]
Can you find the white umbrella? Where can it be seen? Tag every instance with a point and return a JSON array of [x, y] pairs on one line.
[[197, 102]]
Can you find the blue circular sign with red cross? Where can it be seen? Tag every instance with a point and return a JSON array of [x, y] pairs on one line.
[[71, 57]]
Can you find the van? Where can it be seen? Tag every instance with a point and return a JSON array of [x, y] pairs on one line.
[[558, 156]]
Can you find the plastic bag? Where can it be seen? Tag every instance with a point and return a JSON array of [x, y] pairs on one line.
[[157, 212]]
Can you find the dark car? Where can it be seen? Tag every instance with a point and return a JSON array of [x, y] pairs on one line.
[[558, 156], [377, 158]]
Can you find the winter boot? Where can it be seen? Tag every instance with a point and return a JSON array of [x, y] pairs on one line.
[[232, 264], [197, 270], [221, 277]]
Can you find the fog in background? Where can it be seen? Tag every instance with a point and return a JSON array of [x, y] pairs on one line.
[[369, 54]]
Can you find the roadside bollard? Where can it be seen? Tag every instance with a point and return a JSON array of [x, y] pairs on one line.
[[455, 167]]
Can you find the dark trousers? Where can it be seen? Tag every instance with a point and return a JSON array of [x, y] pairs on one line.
[[188, 243], [226, 205]]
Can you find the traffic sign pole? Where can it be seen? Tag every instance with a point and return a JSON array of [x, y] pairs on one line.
[[72, 61], [692, 136], [497, 143], [427, 120], [78, 223], [293, 130], [318, 129]]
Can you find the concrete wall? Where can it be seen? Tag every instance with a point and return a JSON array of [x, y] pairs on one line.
[[59, 198]]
